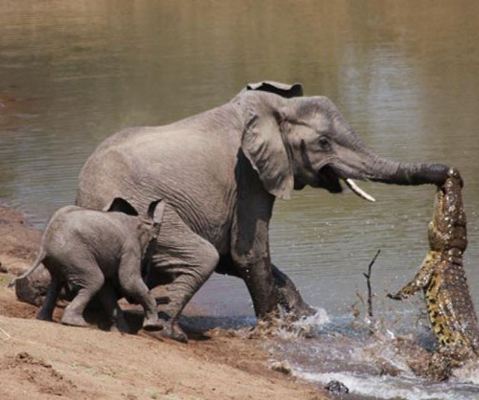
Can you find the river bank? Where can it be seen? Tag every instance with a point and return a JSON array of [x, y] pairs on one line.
[[46, 360]]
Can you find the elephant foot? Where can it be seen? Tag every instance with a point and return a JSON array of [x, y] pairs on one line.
[[294, 310], [303, 310], [118, 328], [288, 296], [173, 331], [120, 325], [169, 330], [153, 324], [73, 320], [44, 317]]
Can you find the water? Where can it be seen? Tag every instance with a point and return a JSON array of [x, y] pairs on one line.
[[371, 365], [404, 74]]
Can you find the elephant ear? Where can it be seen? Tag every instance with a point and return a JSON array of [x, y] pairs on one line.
[[156, 210], [265, 147], [119, 204], [282, 89]]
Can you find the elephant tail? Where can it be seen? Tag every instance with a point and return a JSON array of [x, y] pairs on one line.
[[35, 265]]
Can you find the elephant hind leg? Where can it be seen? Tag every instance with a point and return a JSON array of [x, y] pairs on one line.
[[109, 300], [289, 296], [46, 311], [90, 280], [190, 259]]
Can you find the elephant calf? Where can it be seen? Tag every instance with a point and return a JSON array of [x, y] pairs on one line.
[[84, 249]]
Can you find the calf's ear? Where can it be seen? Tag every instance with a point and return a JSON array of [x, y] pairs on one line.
[[282, 89], [119, 204], [156, 210]]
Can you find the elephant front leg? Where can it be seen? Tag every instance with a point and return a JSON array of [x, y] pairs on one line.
[[288, 296], [259, 280], [131, 281], [270, 289], [250, 253]]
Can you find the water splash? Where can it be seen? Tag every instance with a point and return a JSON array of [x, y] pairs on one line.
[[385, 388], [469, 373], [369, 357], [287, 326], [305, 326]]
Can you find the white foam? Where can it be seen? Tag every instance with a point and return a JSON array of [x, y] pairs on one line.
[[318, 319], [305, 326], [469, 373], [386, 387]]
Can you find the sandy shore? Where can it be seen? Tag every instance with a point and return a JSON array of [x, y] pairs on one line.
[[45, 360]]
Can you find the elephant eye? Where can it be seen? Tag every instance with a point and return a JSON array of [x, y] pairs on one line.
[[324, 143]]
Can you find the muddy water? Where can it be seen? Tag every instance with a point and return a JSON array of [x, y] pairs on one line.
[[405, 75]]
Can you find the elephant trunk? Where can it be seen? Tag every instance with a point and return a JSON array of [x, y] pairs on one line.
[[388, 171]]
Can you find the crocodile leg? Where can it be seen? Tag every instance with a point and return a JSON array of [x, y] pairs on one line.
[[421, 279]]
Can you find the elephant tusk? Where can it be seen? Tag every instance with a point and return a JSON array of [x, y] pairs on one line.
[[360, 192]]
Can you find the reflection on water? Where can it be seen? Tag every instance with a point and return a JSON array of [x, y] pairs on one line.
[[403, 73]]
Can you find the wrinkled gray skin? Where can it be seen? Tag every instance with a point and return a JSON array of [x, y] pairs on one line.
[[220, 173], [98, 252]]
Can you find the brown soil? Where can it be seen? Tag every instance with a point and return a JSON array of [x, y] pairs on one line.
[[18, 241], [45, 360]]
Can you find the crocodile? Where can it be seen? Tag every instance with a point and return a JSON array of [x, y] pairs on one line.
[[442, 278]]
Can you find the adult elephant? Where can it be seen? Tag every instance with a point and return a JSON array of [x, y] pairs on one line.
[[220, 173]]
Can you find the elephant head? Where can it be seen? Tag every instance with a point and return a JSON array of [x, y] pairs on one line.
[[149, 226], [296, 141]]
